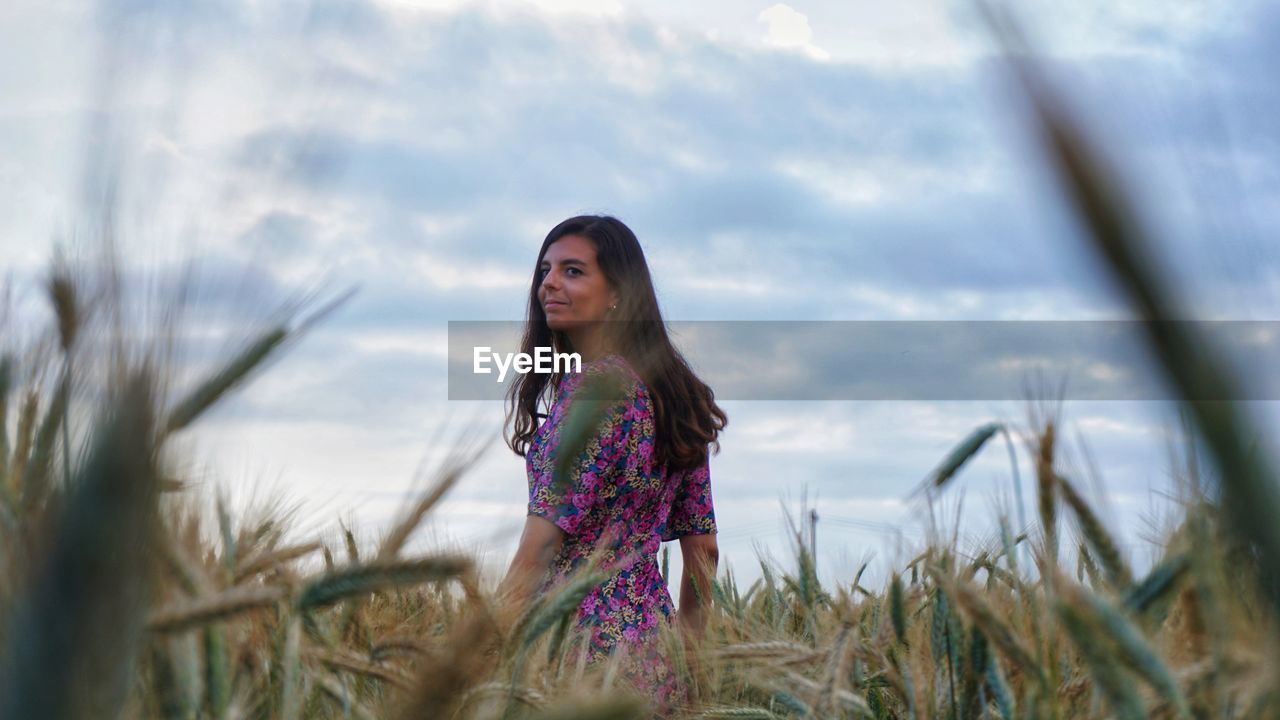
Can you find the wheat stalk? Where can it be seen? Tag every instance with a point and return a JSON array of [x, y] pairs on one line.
[[222, 382], [336, 690], [349, 662], [996, 630], [329, 588], [268, 560], [763, 650], [213, 608], [1099, 539]]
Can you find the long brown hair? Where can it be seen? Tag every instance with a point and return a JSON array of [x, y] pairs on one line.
[[686, 416]]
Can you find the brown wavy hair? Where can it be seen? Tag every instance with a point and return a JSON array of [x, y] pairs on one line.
[[687, 418]]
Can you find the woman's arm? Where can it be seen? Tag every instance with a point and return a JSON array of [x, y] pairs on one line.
[[539, 543], [700, 554]]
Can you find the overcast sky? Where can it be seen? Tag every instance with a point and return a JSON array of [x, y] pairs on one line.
[[804, 161]]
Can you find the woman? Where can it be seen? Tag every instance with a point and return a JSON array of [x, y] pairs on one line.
[[639, 477]]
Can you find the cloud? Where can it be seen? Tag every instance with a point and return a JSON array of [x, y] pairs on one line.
[[448, 276], [786, 28], [596, 8]]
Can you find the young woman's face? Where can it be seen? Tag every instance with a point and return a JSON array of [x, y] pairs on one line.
[[573, 290]]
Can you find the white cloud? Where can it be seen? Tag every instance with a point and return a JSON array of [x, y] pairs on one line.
[[452, 275], [881, 301], [589, 8], [728, 283], [425, 344], [889, 177], [789, 29], [416, 6], [595, 8], [846, 185]]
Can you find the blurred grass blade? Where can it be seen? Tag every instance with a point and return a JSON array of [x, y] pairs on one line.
[[266, 561], [1189, 362], [291, 690], [563, 603], [897, 609], [217, 669], [597, 399], [35, 480], [335, 690], [962, 454], [1099, 539], [619, 709], [72, 639], [1000, 690], [1046, 482], [221, 606], [993, 627], [22, 441], [1109, 676], [226, 531], [6, 382], [1133, 647], [1158, 583], [225, 380], [444, 679], [363, 579]]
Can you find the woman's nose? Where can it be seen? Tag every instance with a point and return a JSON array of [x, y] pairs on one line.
[[550, 280]]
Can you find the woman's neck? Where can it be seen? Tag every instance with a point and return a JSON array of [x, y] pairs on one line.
[[589, 344]]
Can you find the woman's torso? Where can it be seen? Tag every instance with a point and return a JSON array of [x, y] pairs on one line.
[[616, 503], [620, 502]]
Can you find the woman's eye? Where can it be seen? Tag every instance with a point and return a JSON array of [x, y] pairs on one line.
[[573, 271]]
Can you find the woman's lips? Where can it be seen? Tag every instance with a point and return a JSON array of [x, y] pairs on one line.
[[553, 304]]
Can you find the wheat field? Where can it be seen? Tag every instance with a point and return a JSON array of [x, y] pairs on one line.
[[120, 596]]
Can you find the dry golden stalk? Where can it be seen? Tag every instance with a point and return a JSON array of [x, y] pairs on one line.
[[762, 650], [26, 432], [268, 560], [328, 588], [346, 661], [193, 578], [212, 608], [400, 645], [996, 630], [1047, 477], [443, 681], [338, 692], [847, 700], [837, 664], [494, 690], [1091, 527]]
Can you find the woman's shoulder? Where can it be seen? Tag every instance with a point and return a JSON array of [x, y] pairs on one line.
[[610, 376], [613, 363]]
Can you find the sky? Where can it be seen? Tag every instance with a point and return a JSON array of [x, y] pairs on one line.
[[778, 161]]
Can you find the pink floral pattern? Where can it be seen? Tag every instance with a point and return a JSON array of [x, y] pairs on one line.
[[616, 502]]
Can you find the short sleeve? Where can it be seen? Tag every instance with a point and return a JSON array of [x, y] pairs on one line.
[[584, 448], [692, 512]]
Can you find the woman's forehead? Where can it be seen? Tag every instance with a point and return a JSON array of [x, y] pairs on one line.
[[569, 248]]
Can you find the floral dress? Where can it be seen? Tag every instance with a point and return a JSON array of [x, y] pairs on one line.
[[614, 495]]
